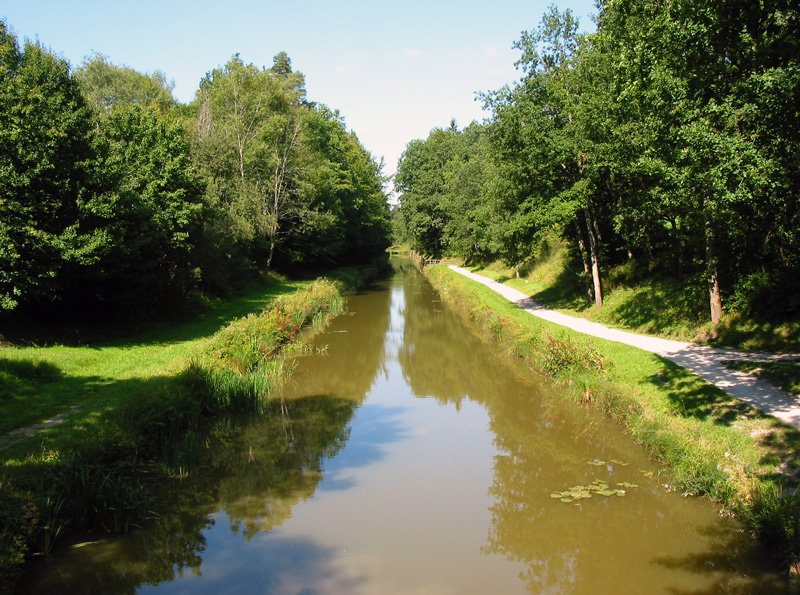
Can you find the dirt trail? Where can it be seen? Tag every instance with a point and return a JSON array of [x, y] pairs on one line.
[[704, 361]]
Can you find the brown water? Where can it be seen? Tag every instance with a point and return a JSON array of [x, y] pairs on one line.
[[410, 458]]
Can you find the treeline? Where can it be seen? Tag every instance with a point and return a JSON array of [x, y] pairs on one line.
[[114, 195], [667, 142]]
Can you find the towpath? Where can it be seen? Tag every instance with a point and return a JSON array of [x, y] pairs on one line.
[[704, 361]]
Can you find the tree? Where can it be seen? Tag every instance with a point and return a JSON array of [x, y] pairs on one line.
[[44, 155], [248, 136], [145, 211], [692, 83], [548, 144], [106, 85], [420, 180]]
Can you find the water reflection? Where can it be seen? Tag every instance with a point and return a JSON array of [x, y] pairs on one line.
[[350, 484], [252, 475]]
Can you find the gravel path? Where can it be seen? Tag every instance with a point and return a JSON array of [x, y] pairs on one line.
[[704, 361]]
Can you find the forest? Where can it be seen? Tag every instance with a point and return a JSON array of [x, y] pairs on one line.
[[116, 198], [665, 143]]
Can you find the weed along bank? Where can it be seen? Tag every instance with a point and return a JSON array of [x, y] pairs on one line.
[[407, 453], [713, 445], [100, 471]]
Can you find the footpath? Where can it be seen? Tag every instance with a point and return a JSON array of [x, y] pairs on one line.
[[704, 361]]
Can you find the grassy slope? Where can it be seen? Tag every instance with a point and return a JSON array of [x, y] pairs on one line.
[[714, 444], [37, 383], [670, 310]]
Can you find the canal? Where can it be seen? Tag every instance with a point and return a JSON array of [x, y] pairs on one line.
[[406, 455]]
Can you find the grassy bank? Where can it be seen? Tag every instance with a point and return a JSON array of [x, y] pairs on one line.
[[715, 446], [634, 301], [137, 405]]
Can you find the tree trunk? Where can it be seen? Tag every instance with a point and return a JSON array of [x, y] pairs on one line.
[[713, 273], [585, 257], [598, 289]]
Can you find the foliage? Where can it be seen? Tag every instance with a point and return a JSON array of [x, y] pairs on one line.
[[107, 86], [144, 217], [285, 176], [664, 142], [114, 197], [44, 160], [447, 183]]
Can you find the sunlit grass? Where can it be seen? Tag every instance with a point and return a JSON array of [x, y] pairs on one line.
[[97, 376], [665, 308]]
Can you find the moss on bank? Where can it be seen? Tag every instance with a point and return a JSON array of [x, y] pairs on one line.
[[94, 475], [715, 445]]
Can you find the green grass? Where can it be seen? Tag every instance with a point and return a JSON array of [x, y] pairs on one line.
[[141, 402], [37, 383], [714, 444], [664, 308]]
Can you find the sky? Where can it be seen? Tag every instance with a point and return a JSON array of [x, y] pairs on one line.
[[394, 69]]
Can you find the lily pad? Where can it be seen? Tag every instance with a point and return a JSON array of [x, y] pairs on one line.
[[567, 500]]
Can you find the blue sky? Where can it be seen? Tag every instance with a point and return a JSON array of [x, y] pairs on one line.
[[394, 70]]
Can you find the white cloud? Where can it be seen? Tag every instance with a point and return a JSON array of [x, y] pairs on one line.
[[492, 51], [414, 53], [344, 69]]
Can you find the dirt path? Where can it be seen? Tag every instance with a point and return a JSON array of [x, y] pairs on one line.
[[704, 361]]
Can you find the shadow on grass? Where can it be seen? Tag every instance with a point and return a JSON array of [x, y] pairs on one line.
[[691, 396], [31, 329], [657, 308], [784, 375], [568, 292]]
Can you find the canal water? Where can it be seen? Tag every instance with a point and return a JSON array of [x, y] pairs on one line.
[[406, 455]]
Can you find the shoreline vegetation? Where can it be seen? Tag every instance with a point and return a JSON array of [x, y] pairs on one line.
[[714, 445], [140, 422]]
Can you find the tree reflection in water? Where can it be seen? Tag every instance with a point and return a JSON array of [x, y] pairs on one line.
[[254, 471]]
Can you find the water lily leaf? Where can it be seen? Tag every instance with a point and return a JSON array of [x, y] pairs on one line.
[[596, 463], [607, 492], [566, 500], [620, 492], [556, 495], [617, 462]]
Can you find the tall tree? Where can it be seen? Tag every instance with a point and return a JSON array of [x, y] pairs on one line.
[[106, 85], [44, 156], [145, 211], [248, 138], [692, 80]]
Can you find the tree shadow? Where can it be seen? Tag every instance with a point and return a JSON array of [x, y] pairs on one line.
[[46, 327], [740, 567], [691, 396]]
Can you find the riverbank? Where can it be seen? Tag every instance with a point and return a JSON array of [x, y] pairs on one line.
[[715, 445], [138, 406]]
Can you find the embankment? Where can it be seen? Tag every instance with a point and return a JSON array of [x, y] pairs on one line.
[[96, 476], [714, 445]]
